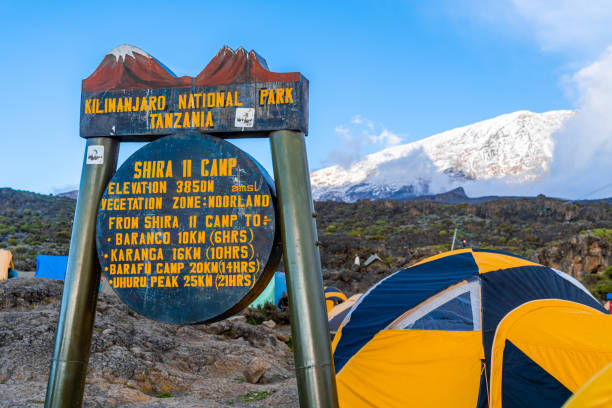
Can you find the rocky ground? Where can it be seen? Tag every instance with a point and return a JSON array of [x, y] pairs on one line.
[[136, 362]]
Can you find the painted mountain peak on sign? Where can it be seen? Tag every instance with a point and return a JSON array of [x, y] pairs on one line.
[[129, 67], [125, 50]]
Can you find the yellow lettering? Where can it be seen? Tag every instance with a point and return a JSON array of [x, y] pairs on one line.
[[209, 121], [262, 95], [153, 115], [220, 100], [112, 105], [137, 169], [271, 97], [182, 101], [195, 119], [186, 122], [168, 120]]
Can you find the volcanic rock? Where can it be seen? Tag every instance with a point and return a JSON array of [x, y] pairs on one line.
[[137, 362]]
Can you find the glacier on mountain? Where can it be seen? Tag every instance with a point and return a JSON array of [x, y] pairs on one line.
[[515, 147]]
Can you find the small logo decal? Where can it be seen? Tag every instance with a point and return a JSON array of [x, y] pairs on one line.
[[95, 154], [245, 117]]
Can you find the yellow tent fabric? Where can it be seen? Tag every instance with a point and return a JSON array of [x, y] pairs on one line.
[[343, 306], [491, 261], [569, 340], [333, 298], [414, 368], [596, 393], [486, 261], [6, 262]]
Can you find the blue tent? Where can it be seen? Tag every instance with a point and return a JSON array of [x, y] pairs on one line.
[[273, 292], [51, 266]]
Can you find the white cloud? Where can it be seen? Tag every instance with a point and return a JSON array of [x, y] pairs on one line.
[[386, 138], [581, 166], [64, 188], [359, 137], [583, 148], [573, 26]]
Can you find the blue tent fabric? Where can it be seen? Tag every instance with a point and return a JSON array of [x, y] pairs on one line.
[[394, 295], [51, 266], [521, 373], [280, 286], [273, 292]]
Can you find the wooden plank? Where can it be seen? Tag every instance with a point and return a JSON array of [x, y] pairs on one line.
[[132, 96]]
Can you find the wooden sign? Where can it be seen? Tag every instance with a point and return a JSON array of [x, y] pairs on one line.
[[132, 96], [187, 229]]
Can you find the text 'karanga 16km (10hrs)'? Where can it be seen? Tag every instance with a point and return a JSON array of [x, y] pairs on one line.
[[187, 229]]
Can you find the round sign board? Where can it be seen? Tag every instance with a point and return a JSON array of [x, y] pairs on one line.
[[187, 230]]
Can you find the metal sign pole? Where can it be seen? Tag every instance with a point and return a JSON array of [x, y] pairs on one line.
[[75, 325], [313, 363]]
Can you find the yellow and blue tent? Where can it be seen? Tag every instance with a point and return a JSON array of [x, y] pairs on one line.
[[333, 297], [547, 349], [424, 335]]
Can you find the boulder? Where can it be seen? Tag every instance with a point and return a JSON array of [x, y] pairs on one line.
[[270, 324], [256, 370]]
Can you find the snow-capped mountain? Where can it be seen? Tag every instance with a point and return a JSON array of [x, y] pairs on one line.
[[516, 147]]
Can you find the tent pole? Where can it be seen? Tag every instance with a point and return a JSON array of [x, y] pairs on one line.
[[75, 324], [454, 236], [312, 352]]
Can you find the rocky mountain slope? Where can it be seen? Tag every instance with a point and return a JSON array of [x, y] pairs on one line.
[[547, 230], [516, 147], [573, 237], [32, 224]]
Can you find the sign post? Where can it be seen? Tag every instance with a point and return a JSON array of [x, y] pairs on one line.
[[187, 230], [313, 363], [75, 325]]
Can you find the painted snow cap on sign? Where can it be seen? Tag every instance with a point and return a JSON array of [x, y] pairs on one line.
[[129, 67], [126, 50]]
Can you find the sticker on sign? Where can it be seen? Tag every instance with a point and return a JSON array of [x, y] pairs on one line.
[[95, 154], [244, 117]]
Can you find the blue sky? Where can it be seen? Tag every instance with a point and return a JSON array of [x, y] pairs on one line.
[[408, 68]]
